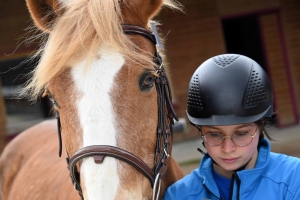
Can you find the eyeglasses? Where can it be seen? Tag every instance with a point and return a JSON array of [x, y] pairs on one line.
[[240, 139]]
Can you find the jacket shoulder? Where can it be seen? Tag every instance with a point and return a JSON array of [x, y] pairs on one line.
[[189, 187], [283, 168]]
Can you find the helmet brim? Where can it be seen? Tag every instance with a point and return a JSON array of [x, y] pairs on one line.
[[224, 120]]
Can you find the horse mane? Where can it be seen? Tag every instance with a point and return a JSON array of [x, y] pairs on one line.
[[80, 31]]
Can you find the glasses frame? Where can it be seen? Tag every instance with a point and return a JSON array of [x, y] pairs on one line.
[[231, 137]]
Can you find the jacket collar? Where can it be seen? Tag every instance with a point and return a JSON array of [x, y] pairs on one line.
[[247, 177]]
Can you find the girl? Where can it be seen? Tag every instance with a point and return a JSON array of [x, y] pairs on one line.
[[229, 101]]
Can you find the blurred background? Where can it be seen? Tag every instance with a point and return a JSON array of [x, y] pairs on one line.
[[267, 31]]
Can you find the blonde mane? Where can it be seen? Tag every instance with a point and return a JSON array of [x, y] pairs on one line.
[[80, 31]]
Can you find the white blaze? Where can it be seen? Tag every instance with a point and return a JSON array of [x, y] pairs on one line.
[[97, 121]]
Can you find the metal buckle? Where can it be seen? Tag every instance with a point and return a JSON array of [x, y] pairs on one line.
[[154, 32], [168, 155], [155, 193]]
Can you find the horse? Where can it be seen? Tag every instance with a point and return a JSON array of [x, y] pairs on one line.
[[101, 68]]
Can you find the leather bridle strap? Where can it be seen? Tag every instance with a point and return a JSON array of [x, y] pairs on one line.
[[136, 30], [98, 152]]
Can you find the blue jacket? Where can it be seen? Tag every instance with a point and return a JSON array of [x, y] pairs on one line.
[[275, 176]]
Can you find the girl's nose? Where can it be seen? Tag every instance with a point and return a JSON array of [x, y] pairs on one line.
[[228, 145]]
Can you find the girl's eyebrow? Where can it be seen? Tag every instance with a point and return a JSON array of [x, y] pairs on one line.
[[213, 127], [240, 126], [243, 126]]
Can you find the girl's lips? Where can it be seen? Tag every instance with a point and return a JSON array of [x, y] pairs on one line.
[[229, 160]]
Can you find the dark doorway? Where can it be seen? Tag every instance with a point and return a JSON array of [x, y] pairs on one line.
[[242, 36]]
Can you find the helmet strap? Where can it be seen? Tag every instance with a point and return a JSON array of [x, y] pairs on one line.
[[200, 150]]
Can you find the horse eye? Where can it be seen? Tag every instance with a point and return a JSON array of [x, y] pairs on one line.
[[52, 99], [149, 81], [146, 81]]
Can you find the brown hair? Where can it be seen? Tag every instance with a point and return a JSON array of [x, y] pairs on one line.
[[262, 127]]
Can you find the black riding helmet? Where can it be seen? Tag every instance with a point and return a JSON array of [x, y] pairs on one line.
[[229, 89]]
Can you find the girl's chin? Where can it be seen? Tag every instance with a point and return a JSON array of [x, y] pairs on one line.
[[231, 167]]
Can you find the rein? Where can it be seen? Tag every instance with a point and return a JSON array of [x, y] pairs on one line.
[[166, 116]]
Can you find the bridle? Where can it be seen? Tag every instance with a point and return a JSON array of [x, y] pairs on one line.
[[166, 116]]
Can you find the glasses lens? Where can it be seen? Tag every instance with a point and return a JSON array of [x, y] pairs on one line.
[[214, 139], [242, 139]]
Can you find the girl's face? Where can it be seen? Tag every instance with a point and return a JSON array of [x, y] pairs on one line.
[[228, 155]]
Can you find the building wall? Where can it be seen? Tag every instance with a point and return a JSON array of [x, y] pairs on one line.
[[14, 19], [241, 7], [14, 32], [278, 68], [291, 26]]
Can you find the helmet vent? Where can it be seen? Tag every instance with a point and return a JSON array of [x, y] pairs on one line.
[[255, 93], [225, 60], [194, 96]]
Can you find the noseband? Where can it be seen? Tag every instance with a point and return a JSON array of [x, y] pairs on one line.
[[166, 116]]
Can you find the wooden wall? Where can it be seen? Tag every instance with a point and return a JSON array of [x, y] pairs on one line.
[[14, 19], [278, 68], [290, 14], [229, 8]]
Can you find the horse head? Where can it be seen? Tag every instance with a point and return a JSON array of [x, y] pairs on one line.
[[110, 91]]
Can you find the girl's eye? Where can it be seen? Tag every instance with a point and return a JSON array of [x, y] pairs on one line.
[[240, 134], [215, 134]]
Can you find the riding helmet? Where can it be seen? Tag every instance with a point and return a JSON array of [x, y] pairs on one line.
[[229, 89]]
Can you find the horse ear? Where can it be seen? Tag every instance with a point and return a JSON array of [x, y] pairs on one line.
[[153, 8], [44, 12], [144, 9]]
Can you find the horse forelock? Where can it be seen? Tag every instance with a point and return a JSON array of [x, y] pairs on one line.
[[78, 34]]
